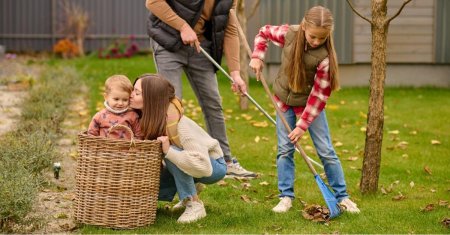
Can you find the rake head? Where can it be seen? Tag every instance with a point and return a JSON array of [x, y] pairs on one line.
[[329, 197]]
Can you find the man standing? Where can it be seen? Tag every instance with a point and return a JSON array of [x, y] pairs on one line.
[[177, 29]]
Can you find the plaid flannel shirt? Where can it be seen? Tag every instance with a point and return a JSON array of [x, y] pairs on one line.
[[321, 90]]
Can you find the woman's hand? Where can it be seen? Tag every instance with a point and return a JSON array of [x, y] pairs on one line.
[[257, 66], [296, 134], [238, 85], [189, 37], [165, 143]]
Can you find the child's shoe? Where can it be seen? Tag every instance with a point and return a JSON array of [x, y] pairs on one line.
[[283, 206], [349, 206]]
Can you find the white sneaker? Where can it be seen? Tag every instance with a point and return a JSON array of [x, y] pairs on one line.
[[199, 187], [195, 210], [349, 206], [283, 206], [235, 169]]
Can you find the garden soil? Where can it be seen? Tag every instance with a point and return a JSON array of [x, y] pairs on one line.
[[53, 209]]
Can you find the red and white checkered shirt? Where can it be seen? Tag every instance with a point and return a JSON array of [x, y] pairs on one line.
[[322, 87]]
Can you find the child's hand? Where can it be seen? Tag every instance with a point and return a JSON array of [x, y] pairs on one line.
[[257, 66], [165, 143], [296, 134]]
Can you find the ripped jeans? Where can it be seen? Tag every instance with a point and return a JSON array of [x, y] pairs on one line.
[[173, 179], [320, 136]]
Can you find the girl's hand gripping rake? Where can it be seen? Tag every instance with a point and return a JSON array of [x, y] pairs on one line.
[[328, 196]]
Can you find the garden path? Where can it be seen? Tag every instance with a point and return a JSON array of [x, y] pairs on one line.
[[53, 209]]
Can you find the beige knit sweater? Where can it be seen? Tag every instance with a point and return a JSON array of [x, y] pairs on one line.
[[198, 147]]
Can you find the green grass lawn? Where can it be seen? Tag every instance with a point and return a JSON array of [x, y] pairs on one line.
[[413, 118]]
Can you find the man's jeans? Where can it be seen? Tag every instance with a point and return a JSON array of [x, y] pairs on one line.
[[174, 180], [320, 136], [202, 77]]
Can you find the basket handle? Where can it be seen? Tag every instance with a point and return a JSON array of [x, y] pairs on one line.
[[120, 126]]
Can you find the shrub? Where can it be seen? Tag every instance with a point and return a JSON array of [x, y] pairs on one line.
[[120, 48], [66, 48], [18, 189]]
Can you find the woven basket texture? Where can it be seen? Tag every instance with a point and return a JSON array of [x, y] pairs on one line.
[[117, 181]]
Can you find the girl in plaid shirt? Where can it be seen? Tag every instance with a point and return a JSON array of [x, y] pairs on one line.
[[308, 74]]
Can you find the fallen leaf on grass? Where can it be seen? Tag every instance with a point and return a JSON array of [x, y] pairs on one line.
[[246, 198], [383, 191], [433, 190], [427, 170], [246, 185], [443, 203], [402, 145], [411, 184], [338, 144], [446, 222], [271, 196], [260, 124], [435, 142], [399, 197], [222, 183], [264, 183], [246, 116], [352, 158], [257, 139], [363, 129], [394, 132], [413, 132], [428, 208]]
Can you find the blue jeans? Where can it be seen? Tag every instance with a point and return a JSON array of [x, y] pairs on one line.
[[320, 136], [174, 180]]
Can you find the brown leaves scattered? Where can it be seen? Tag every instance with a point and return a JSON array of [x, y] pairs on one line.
[[432, 206], [316, 213]]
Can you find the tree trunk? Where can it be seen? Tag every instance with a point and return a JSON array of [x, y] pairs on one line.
[[243, 100], [375, 117]]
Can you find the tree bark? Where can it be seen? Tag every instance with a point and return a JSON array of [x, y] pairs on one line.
[[243, 58], [375, 117]]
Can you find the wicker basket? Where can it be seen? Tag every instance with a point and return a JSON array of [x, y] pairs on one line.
[[117, 181]]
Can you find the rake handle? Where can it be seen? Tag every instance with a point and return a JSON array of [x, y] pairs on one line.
[[269, 93]]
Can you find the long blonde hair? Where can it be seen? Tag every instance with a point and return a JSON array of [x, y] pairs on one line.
[[157, 93], [317, 16]]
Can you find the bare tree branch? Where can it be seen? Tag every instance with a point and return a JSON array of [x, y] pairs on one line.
[[354, 10], [398, 12], [253, 9]]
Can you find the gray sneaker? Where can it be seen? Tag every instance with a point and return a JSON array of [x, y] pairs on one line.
[[235, 169]]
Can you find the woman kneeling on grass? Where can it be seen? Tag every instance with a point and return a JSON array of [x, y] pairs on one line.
[[197, 159]]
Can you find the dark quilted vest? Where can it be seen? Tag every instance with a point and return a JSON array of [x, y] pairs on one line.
[[190, 11], [311, 58]]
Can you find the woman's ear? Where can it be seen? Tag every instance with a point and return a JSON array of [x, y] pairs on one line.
[[105, 96], [302, 26]]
